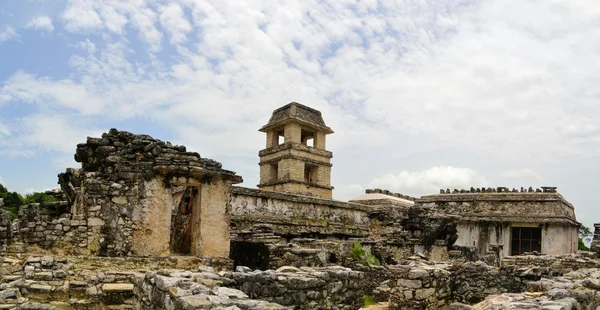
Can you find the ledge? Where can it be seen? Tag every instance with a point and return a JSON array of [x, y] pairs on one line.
[[294, 146], [236, 190]]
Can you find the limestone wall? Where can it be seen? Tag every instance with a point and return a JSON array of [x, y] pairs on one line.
[[297, 215]]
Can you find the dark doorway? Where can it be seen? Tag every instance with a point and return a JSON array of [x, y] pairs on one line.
[[525, 239], [254, 255], [181, 222]]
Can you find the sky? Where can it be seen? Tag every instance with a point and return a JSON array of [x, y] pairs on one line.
[[422, 95]]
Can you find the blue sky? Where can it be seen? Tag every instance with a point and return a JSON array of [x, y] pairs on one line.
[[422, 95]]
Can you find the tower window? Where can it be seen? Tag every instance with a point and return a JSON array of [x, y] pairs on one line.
[[274, 171], [308, 138], [310, 173]]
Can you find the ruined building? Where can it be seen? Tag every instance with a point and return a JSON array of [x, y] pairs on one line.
[[159, 205], [138, 196]]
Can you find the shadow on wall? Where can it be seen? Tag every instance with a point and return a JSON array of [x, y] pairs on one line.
[[249, 254]]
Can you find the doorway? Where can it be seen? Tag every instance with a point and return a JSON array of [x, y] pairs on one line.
[[181, 222]]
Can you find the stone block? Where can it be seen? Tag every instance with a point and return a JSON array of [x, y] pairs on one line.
[[409, 283]]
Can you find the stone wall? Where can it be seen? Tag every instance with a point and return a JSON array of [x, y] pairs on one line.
[[304, 288], [296, 215], [49, 226], [575, 290], [5, 229], [595, 246], [423, 285], [557, 264], [183, 290], [55, 283]]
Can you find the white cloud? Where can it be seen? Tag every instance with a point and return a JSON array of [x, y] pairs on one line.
[[41, 23], [511, 82], [86, 45], [173, 21], [525, 174], [8, 34], [4, 130], [58, 133], [429, 181], [80, 16], [28, 88]]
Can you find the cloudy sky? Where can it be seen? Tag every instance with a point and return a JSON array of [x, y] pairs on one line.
[[422, 95]]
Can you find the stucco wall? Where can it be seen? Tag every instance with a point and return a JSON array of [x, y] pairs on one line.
[[214, 220], [153, 220], [556, 239]]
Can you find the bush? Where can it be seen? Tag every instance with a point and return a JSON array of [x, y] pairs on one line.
[[364, 255]]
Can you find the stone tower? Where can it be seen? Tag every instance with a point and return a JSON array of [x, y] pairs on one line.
[[295, 159]]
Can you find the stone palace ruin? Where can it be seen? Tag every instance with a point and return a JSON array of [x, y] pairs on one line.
[[144, 224]]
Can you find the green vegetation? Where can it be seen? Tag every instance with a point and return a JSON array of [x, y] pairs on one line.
[[13, 200], [364, 255], [368, 300], [585, 235]]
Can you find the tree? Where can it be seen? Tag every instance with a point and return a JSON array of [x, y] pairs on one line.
[[39, 197], [12, 200], [585, 235]]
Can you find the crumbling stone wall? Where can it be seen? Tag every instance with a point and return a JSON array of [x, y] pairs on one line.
[[401, 232], [556, 264], [5, 229], [129, 187], [56, 283], [595, 246], [304, 288], [575, 290], [261, 249], [49, 226], [182, 290], [422, 285]]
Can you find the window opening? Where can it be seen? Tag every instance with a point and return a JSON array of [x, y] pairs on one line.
[[310, 173], [525, 239], [274, 172], [308, 138]]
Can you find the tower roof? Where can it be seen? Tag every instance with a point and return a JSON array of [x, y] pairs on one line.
[[297, 112]]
